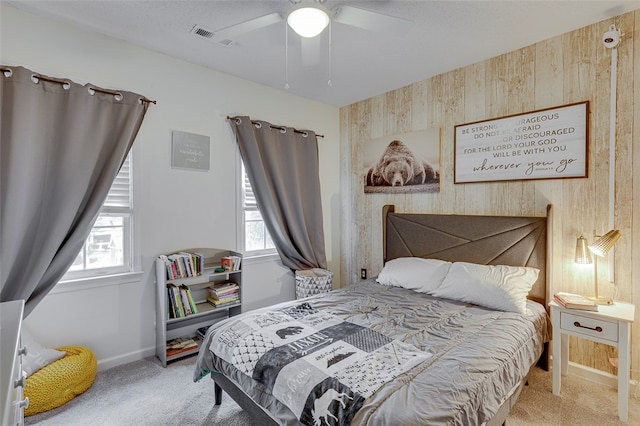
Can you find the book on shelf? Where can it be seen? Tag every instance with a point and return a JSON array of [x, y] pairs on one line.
[[225, 298], [192, 303], [222, 302], [184, 299], [178, 262], [574, 301], [183, 265], [224, 291], [224, 286], [198, 258], [181, 342], [174, 311], [177, 300], [180, 301], [201, 332], [226, 295], [230, 263], [180, 345], [171, 304]]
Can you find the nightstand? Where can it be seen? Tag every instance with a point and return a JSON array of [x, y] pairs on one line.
[[610, 325]]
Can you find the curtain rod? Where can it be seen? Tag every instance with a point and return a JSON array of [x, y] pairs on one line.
[[278, 127], [37, 77]]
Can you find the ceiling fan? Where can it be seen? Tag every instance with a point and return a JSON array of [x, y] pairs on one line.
[[309, 18]]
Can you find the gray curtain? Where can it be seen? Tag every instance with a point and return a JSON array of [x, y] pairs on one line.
[[62, 146], [282, 166]]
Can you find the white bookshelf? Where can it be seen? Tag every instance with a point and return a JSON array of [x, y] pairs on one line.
[[171, 328]]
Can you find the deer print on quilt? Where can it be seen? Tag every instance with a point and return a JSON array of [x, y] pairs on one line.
[[321, 367]]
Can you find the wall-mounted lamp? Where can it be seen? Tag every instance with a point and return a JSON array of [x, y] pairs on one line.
[[600, 248]]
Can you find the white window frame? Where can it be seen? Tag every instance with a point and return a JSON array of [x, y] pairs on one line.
[[131, 270], [241, 179]]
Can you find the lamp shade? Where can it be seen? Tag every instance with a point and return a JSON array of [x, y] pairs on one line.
[[583, 255], [602, 245], [308, 21]]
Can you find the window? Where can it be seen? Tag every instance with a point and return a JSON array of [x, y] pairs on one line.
[[108, 250], [255, 236]]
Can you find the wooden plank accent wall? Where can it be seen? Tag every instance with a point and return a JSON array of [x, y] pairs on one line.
[[569, 68]]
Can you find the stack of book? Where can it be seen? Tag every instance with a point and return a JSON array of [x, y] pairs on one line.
[[224, 294], [180, 300], [180, 345], [574, 301], [230, 263], [183, 265], [201, 332]]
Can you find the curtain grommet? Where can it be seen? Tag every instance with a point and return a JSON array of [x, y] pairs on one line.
[[116, 95], [66, 85], [7, 72], [35, 78], [283, 130], [258, 125]]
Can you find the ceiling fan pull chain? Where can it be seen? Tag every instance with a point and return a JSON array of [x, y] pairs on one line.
[[286, 57], [329, 83]]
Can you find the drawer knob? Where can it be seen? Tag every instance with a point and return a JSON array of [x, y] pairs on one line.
[[598, 328], [24, 403], [19, 383]]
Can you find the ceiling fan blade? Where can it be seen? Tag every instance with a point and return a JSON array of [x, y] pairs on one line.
[[373, 21], [234, 31], [310, 51]]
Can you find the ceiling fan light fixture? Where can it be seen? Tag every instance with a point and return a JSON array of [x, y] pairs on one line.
[[308, 21]]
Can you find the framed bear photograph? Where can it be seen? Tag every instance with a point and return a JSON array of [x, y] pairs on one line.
[[402, 163]]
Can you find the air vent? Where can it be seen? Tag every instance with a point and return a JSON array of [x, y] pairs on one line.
[[201, 32]]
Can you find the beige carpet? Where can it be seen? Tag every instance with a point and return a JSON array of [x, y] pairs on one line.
[[581, 402], [144, 393]]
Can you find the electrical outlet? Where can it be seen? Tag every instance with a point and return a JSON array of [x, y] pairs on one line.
[[363, 273]]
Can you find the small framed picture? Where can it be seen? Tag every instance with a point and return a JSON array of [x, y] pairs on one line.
[[189, 151]]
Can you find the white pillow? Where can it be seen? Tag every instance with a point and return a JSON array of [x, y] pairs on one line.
[[37, 355], [500, 287], [422, 275]]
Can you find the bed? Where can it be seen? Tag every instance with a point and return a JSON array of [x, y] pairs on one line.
[[427, 341]]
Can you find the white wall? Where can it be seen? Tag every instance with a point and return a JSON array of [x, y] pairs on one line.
[[178, 209]]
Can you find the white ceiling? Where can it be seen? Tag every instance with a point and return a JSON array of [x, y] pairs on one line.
[[443, 35]]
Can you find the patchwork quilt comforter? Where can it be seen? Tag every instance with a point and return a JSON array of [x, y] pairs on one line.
[[373, 354]]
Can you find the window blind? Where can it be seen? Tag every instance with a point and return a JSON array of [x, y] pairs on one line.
[[249, 199], [120, 191]]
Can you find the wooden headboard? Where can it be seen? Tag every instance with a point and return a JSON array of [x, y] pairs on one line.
[[486, 240]]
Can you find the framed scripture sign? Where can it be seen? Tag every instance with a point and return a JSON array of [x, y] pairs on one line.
[[545, 144], [189, 151]]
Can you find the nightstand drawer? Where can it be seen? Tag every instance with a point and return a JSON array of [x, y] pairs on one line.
[[602, 329]]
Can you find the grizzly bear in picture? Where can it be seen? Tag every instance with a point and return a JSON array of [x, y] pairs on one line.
[[398, 166]]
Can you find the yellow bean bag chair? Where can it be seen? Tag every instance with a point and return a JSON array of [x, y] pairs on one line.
[[60, 381]]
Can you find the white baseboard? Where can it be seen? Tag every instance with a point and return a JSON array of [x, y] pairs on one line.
[[594, 375], [602, 377], [105, 364]]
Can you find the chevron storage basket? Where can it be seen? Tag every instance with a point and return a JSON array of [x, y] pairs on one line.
[[313, 281]]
